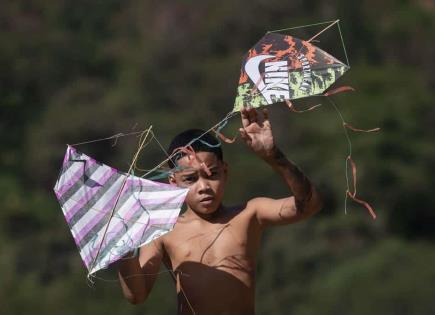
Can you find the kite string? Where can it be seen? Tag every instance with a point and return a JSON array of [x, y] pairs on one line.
[[174, 277], [160, 145], [165, 172], [135, 167], [301, 26], [115, 136], [342, 43]]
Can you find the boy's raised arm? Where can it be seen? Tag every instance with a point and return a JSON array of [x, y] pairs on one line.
[[137, 274], [257, 134]]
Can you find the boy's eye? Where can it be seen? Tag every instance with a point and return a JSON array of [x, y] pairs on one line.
[[189, 179], [213, 173]]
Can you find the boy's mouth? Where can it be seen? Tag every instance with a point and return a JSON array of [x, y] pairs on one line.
[[206, 200]]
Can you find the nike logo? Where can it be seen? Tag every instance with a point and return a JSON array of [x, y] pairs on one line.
[[275, 86]]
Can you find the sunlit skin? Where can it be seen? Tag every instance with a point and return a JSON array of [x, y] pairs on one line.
[[212, 250]]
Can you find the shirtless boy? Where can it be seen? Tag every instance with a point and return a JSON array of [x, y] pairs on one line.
[[212, 248]]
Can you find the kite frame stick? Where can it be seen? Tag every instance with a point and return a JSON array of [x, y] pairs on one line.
[[329, 26], [331, 23], [141, 143]]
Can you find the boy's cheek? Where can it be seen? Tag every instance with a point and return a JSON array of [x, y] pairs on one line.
[[189, 195]]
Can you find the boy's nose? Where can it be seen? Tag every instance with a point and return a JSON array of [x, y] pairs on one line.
[[203, 185]]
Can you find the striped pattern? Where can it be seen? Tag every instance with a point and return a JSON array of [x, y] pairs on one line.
[[87, 192]]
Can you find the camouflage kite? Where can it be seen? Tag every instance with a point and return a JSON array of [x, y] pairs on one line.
[[282, 67]]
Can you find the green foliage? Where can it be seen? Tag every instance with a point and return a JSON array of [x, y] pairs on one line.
[[79, 70], [387, 280]]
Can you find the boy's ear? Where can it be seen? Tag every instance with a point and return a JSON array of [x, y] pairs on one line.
[[171, 179]]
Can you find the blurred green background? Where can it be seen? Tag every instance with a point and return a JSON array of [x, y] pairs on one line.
[[71, 71]]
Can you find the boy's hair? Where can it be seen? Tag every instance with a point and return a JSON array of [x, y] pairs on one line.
[[202, 142]]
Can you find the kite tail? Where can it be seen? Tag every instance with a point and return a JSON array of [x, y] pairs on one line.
[[360, 130], [293, 109], [340, 89], [349, 160], [224, 138], [349, 193], [352, 194]]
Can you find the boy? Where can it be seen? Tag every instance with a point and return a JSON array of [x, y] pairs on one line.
[[212, 248]]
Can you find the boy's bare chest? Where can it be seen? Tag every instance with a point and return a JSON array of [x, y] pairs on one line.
[[215, 245], [218, 257]]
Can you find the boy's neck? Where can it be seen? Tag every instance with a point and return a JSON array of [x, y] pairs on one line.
[[211, 217]]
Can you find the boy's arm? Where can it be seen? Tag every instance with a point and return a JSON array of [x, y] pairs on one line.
[[137, 274], [257, 133]]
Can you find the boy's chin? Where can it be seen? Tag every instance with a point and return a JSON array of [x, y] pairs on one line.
[[206, 210]]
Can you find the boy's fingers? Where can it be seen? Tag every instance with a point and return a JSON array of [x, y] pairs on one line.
[[245, 117], [261, 117], [265, 114], [244, 135], [252, 112]]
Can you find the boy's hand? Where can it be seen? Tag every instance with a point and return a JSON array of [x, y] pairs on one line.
[[257, 131]]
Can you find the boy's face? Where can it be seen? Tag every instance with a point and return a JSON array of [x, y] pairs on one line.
[[205, 191]]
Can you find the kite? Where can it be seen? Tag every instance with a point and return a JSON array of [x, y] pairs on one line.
[[111, 213], [281, 67]]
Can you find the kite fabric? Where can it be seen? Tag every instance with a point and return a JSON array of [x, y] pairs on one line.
[[281, 67], [110, 213]]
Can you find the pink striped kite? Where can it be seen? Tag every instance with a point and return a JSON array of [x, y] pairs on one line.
[[111, 213]]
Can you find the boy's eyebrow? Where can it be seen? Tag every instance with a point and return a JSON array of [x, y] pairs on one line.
[[188, 173]]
